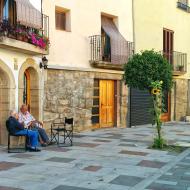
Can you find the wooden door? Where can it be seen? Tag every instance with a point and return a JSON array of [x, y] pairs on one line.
[[27, 90], [168, 46], [106, 103], [166, 100]]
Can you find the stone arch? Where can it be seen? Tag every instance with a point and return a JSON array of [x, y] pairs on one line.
[[35, 89], [7, 98]]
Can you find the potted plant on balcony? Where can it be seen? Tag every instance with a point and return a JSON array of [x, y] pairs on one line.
[[180, 67], [39, 40], [21, 33], [6, 29]]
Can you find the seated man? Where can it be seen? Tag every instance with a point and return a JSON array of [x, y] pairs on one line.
[[16, 128], [30, 122]]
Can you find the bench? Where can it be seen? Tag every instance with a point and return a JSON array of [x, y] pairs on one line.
[[17, 149]]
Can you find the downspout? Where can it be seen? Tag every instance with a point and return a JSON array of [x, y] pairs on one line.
[[134, 50]]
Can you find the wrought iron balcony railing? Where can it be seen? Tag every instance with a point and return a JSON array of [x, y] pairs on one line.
[[102, 51], [178, 61], [183, 4]]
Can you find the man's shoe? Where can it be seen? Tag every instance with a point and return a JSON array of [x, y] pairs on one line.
[[34, 150], [44, 145]]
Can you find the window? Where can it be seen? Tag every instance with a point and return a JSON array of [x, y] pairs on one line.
[[8, 10], [183, 4], [62, 19]]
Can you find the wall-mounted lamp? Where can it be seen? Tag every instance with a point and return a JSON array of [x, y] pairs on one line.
[[44, 63]]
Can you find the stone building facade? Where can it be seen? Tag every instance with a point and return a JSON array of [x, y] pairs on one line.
[[84, 79], [69, 93]]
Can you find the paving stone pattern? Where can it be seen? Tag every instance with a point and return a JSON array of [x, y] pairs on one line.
[[106, 159]]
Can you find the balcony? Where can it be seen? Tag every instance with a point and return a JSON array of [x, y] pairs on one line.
[[183, 4], [106, 57], [178, 61], [23, 38]]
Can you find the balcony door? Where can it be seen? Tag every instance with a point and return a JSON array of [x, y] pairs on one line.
[[168, 39], [106, 103], [168, 43], [106, 46], [8, 10]]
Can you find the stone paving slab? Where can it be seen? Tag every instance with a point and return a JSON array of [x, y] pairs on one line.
[[9, 165], [107, 159], [64, 187], [151, 164], [126, 180], [8, 188]]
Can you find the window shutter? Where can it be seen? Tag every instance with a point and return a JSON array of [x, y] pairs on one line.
[[60, 20]]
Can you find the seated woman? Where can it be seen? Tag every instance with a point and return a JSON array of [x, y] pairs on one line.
[[31, 123]]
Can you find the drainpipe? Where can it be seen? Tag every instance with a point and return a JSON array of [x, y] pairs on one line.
[[134, 48], [41, 7], [133, 21], [175, 91]]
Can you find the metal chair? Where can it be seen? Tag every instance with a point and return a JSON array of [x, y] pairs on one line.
[[64, 129]]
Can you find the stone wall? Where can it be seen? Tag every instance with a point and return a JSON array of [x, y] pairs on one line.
[[70, 94], [179, 99]]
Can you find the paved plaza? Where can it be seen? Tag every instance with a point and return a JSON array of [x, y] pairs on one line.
[[106, 159]]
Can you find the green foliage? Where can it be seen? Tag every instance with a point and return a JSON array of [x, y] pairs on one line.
[[147, 67], [150, 71], [159, 143]]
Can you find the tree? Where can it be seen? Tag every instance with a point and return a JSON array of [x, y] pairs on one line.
[[144, 68], [150, 71]]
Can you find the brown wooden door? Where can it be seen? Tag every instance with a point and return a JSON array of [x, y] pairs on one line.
[[168, 43], [166, 107], [106, 103], [27, 90]]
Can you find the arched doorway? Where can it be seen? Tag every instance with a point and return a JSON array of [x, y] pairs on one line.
[[30, 91], [29, 88], [4, 103], [7, 98]]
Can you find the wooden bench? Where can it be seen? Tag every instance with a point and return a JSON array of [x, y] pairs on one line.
[[17, 149]]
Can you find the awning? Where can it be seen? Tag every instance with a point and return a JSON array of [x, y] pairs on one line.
[[120, 48], [28, 15]]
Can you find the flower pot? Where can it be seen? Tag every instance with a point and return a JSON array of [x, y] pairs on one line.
[[181, 68], [19, 37], [11, 36], [25, 39]]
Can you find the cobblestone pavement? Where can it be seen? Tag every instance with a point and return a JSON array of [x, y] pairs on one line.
[[107, 159]]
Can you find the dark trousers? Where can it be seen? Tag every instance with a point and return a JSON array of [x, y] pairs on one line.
[[42, 133]]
